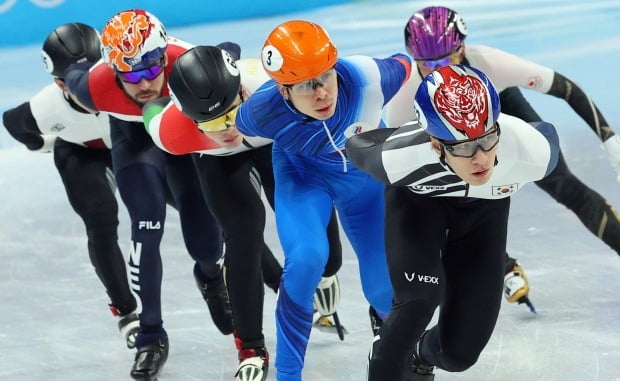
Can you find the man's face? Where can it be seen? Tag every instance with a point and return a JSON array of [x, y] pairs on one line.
[[316, 97], [228, 138], [223, 129], [477, 168], [147, 87]]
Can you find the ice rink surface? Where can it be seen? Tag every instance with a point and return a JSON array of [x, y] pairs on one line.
[[54, 321]]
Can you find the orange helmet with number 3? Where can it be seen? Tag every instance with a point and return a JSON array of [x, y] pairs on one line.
[[297, 51]]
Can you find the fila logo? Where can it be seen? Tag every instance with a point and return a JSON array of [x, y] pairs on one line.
[[149, 225], [421, 278]]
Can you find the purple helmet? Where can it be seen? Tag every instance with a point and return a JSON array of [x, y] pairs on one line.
[[457, 102], [434, 32]]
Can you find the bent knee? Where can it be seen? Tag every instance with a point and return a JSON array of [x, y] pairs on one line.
[[460, 362]]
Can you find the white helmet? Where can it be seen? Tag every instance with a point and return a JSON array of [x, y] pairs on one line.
[[133, 40]]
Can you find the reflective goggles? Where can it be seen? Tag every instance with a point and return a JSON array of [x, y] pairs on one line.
[[221, 122], [134, 77], [450, 59], [308, 87], [468, 148]]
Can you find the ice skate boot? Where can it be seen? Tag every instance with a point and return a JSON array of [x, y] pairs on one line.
[[253, 364], [217, 300], [128, 326], [418, 370], [516, 286], [375, 320], [150, 360], [326, 300]]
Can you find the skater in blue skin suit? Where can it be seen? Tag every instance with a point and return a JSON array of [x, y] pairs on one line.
[[314, 103]]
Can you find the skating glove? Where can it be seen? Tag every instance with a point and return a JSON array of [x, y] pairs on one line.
[[327, 295], [612, 146]]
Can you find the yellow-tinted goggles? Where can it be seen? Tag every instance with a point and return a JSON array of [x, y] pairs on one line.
[[221, 122]]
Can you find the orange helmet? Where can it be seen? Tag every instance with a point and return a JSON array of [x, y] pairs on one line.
[[297, 51]]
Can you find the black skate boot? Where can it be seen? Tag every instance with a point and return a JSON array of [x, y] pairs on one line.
[[375, 321], [128, 325], [418, 370], [253, 364], [217, 300], [150, 360]]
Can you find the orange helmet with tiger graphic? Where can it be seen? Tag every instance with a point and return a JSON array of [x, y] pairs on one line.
[[133, 40]]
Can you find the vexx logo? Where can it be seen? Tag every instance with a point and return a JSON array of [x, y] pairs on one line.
[[421, 278]]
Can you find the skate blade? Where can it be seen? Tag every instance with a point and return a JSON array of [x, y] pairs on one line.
[[325, 324], [526, 300]]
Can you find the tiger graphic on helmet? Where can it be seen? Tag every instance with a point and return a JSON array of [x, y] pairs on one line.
[[133, 40]]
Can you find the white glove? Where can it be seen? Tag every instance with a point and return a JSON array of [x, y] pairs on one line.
[[48, 144], [612, 146], [327, 296]]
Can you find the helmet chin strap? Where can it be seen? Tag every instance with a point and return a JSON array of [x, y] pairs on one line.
[[442, 158], [288, 98]]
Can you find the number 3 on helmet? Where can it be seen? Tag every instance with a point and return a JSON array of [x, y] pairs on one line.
[[297, 51]]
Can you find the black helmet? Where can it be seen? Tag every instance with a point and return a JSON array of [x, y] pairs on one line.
[[204, 82], [68, 44]]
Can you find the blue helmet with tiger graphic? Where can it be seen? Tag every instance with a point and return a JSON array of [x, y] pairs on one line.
[[457, 102]]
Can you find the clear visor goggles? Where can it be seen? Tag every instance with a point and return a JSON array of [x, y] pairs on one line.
[[308, 87], [468, 148]]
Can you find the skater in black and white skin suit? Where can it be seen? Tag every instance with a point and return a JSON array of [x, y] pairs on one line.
[[232, 168], [434, 36], [450, 175], [54, 120]]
